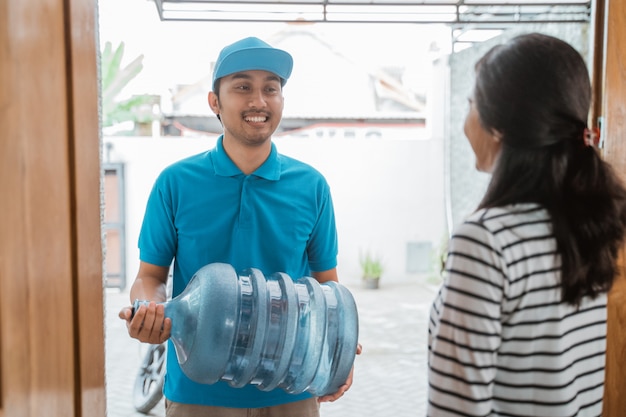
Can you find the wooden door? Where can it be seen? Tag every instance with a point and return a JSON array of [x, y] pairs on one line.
[[613, 111], [51, 298]]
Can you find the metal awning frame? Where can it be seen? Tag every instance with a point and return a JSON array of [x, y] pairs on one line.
[[451, 12]]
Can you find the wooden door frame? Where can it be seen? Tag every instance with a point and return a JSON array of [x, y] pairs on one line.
[[51, 284], [609, 104]]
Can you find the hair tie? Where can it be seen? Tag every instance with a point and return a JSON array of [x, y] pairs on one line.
[[591, 136]]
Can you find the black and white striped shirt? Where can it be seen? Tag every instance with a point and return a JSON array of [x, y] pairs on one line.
[[501, 342]]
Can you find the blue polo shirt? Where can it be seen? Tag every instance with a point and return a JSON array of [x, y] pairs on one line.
[[203, 209]]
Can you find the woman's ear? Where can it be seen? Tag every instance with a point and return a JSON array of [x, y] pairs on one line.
[[497, 135]]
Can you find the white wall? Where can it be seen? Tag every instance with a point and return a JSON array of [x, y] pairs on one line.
[[387, 192]]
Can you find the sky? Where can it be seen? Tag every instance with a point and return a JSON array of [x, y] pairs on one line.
[[182, 52]]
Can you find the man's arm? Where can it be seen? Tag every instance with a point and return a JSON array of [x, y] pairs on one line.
[[150, 283], [325, 276], [148, 324]]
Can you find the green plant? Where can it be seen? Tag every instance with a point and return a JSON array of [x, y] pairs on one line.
[[371, 266], [438, 261], [114, 79]]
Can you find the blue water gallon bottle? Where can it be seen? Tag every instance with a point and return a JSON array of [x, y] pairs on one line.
[[245, 328]]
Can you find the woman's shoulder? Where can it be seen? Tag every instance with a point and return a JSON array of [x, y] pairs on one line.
[[507, 224], [509, 215], [517, 218]]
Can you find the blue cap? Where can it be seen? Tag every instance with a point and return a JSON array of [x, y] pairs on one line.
[[252, 54]]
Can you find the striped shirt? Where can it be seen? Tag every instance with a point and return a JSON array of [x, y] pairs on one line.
[[501, 342]]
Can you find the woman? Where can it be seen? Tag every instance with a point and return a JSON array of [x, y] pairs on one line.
[[519, 325]]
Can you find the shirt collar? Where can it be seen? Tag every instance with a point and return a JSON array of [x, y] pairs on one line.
[[225, 167]]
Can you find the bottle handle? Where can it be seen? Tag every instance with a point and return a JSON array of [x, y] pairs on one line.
[[136, 304]]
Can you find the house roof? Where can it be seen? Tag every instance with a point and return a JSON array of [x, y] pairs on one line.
[[326, 83]]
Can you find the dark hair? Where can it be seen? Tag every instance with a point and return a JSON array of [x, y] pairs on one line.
[[535, 91], [216, 87]]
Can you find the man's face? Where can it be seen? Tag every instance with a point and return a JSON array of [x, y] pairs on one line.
[[250, 105]]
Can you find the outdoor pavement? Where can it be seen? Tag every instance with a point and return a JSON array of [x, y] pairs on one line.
[[389, 376]]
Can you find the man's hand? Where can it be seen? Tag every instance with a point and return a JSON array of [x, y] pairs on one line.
[[148, 324], [345, 387]]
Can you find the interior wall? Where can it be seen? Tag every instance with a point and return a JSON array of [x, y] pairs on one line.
[[51, 298], [382, 204]]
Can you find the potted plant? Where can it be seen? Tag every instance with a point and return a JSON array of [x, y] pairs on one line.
[[372, 269]]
